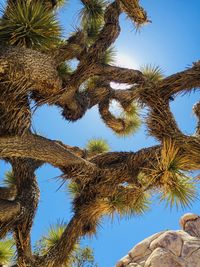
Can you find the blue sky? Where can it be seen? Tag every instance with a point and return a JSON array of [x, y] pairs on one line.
[[171, 41]]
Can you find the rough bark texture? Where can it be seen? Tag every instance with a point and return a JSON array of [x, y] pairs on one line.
[[27, 74]]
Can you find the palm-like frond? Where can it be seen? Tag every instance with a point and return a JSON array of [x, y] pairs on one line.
[[128, 201], [168, 174], [54, 234], [180, 191], [9, 179], [29, 24], [131, 118], [92, 12], [46, 242], [74, 189], [152, 73], [97, 146], [79, 257], [64, 70], [109, 57], [92, 83], [92, 31], [92, 18], [6, 251]]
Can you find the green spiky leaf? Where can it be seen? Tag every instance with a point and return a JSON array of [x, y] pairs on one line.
[[79, 256], [29, 24], [64, 70], [181, 191], [128, 201], [169, 176], [92, 12], [54, 234], [109, 57], [46, 242], [6, 251], [131, 118], [152, 73], [92, 31], [97, 146], [74, 189], [9, 179], [92, 18]]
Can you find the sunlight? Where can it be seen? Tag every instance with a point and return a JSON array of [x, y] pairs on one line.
[[124, 61]]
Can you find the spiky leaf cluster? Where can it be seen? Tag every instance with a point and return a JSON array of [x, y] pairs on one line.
[[29, 24], [74, 189], [92, 15], [92, 11], [177, 188], [128, 201], [109, 56], [131, 118], [9, 179], [79, 257], [64, 70], [180, 191], [152, 73], [51, 239], [97, 146], [6, 251]]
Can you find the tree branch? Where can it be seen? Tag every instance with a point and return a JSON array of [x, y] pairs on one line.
[[135, 12], [72, 48], [28, 196], [121, 75], [40, 148], [180, 81], [8, 209], [88, 65], [8, 193], [37, 147]]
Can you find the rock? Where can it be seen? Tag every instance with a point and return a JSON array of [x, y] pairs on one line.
[[180, 248], [162, 257], [169, 240], [134, 265], [124, 261], [194, 259], [143, 247], [193, 227], [187, 217]]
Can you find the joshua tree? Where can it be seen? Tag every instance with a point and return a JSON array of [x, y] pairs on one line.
[[34, 67], [81, 256]]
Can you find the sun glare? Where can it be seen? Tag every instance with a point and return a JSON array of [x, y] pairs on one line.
[[124, 61]]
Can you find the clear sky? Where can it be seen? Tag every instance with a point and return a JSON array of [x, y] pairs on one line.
[[171, 41]]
